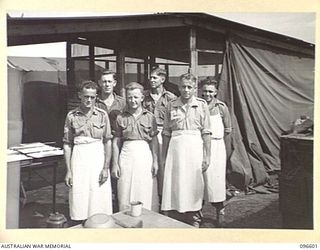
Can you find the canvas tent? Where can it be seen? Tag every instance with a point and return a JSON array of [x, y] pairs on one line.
[[266, 79], [266, 89], [36, 99]]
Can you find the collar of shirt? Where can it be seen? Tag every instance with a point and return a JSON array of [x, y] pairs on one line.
[[78, 111], [126, 111], [164, 93], [215, 103], [115, 96], [179, 103]]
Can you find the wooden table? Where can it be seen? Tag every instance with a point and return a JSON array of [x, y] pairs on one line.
[[14, 168], [148, 219]]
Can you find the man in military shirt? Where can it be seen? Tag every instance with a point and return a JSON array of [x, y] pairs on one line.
[[156, 100], [108, 100], [186, 153], [87, 152], [113, 104]]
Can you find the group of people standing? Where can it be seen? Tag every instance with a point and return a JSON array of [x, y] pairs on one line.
[[166, 151]]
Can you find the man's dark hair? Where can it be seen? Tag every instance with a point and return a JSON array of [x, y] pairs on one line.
[[109, 72], [88, 84]]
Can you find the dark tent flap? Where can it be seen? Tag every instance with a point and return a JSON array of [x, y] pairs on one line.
[[266, 90]]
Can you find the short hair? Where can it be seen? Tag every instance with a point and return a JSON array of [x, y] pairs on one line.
[[188, 77], [109, 72], [210, 81], [159, 71], [134, 85], [88, 84]]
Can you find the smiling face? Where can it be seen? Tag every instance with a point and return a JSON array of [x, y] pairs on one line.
[[187, 89], [156, 80], [107, 84], [209, 92], [134, 98], [88, 97]]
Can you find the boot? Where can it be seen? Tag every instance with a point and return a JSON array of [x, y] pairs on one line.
[[220, 217]]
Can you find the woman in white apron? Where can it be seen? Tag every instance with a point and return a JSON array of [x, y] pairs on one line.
[[87, 148], [135, 148], [215, 176], [186, 151]]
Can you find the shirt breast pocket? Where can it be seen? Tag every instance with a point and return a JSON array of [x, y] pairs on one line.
[[79, 127], [146, 128], [97, 130]]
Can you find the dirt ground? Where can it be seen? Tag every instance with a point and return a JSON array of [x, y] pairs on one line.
[[256, 210]]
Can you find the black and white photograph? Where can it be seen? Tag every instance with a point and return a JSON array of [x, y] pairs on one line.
[[160, 120]]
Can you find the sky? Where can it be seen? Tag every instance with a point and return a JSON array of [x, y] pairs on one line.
[[297, 25]]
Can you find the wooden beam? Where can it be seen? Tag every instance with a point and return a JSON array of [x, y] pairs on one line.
[[261, 36], [210, 51], [43, 28], [121, 72]]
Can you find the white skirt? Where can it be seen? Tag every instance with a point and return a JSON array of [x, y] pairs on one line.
[[87, 197], [215, 176], [136, 182], [183, 185]]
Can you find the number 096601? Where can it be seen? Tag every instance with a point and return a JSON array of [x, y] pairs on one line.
[[308, 246]]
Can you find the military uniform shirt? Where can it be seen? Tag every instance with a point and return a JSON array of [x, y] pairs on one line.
[[221, 107], [158, 108], [96, 126], [191, 116], [114, 110], [142, 127]]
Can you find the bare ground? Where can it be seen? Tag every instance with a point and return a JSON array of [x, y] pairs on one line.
[[242, 211]]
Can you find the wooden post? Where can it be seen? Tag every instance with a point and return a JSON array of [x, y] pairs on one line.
[[152, 62], [91, 63], [139, 78], [193, 53], [216, 67], [166, 66], [121, 72], [70, 71], [145, 71]]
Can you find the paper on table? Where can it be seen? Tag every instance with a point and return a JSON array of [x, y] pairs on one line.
[[46, 153], [37, 149], [12, 152], [28, 145], [17, 157]]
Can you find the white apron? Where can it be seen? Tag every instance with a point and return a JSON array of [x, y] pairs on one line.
[[183, 180], [160, 170], [136, 182], [87, 197], [215, 176]]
